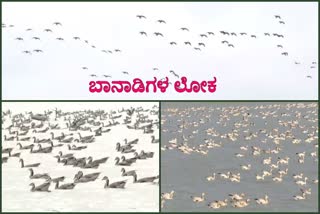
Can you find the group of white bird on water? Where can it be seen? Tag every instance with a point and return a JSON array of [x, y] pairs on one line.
[[200, 44], [34, 134], [269, 152]]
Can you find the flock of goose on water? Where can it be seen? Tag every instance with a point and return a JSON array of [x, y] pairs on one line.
[[262, 152], [198, 45], [30, 134]]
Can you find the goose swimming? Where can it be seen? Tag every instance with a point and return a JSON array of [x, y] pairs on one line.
[[144, 180], [64, 186], [41, 188], [118, 184], [29, 165], [127, 173], [38, 176]]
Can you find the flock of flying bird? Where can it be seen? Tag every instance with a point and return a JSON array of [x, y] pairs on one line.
[[197, 46], [263, 152], [38, 134]]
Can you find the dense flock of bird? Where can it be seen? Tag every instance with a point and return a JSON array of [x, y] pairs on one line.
[[200, 44], [271, 143], [29, 136]]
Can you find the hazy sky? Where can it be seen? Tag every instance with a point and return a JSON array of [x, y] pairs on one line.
[[254, 69]]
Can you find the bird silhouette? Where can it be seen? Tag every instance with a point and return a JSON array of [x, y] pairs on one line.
[[187, 43], [233, 34], [201, 44], [284, 53], [224, 41], [47, 30], [37, 50], [203, 35], [141, 16], [314, 63], [76, 38], [277, 17], [57, 23], [267, 34], [161, 21], [243, 33], [107, 76], [281, 22], [36, 38], [117, 50], [198, 49], [297, 63], [59, 38], [93, 46], [26, 52], [279, 46], [19, 38], [125, 72], [84, 68], [230, 45], [184, 28], [28, 29], [173, 43], [312, 67], [309, 76], [253, 36], [155, 69], [93, 75], [143, 33], [210, 33], [158, 34]]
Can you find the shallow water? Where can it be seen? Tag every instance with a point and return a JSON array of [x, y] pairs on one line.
[[16, 194], [186, 173]]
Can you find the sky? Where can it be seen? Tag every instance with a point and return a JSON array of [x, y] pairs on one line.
[[253, 70]]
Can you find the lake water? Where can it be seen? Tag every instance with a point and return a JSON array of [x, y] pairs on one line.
[[186, 173]]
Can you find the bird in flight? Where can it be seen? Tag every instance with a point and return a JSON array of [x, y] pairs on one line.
[[38, 51], [277, 17], [158, 34], [197, 49], [93, 75], [173, 43], [243, 33], [47, 30], [253, 36], [187, 43], [309, 76], [57, 23], [267, 34], [201, 44], [125, 72], [230, 45], [76, 38], [297, 63], [143, 33], [210, 33], [19, 38], [29, 29], [141, 16], [36, 38], [313, 67], [84, 68], [233, 34], [203, 35], [184, 28], [281, 22], [284, 53], [59, 38], [26, 52], [161, 21], [155, 69], [279, 46], [117, 50], [224, 41], [107, 76], [93, 46]]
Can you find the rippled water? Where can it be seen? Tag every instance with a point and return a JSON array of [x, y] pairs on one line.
[[186, 174], [16, 194]]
